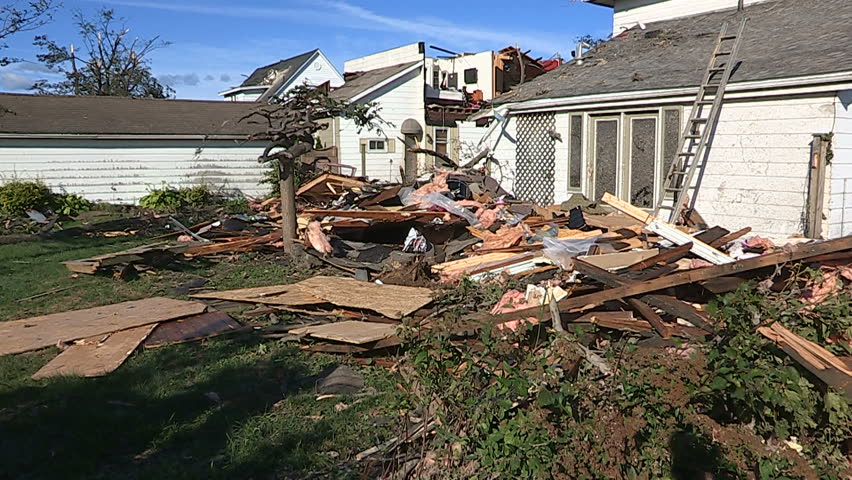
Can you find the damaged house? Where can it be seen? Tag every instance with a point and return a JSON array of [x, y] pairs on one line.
[[274, 80], [780, 159]]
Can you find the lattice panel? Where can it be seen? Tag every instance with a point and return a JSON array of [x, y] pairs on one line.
[[536, 158]]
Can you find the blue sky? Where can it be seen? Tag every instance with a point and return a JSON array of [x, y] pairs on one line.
[[216, 43]]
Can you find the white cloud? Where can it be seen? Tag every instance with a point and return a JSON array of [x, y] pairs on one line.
[[344, 14], [190, 79], [15, 81]]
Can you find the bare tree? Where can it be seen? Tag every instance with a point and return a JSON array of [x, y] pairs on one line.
[[112, 64], [18, 16], [290, 123]]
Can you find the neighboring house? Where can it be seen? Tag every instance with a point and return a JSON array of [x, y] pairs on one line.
[[612, 122], [394, 80], [310, 68], [115, 149]]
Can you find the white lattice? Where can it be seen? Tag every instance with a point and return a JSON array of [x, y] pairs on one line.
[[536, 158]]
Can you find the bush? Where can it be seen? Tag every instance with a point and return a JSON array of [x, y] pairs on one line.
[[166, 198], [18, 197], [169, 198], [70, 204]]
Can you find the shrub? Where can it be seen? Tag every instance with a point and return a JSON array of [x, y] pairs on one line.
[[70, 204], [18, 197], [195, 196], [165, 198]]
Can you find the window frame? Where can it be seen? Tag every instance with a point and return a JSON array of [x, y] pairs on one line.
[[445, 141], [382, 149]]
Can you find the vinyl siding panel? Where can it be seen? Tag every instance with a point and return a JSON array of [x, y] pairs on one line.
[[840, 204], [122, 171]]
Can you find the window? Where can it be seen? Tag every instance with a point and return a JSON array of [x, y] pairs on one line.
[[436, 79], [671, 140], [606, 156], [575, 154], [376, 146], [441, 140], [643, 141], [453, 81], [471, 75]]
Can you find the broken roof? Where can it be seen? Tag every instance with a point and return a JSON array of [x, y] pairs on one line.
[[783, 39], [263, 76], [358, 83], [68, 115]]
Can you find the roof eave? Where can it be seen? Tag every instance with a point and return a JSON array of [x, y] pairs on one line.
[[603, 3]]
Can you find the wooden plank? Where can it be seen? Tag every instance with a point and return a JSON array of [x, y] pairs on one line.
[[47, 330], [280, 295], [136, 254], [468, 262], [95, 356], [665, 258], [351, 331], [730, 238], [623, 321], [698, 247], [613, 280], [192, 328], [611, 222], [376, 214], [615, 261], [667, 231], [392, 301], [823, 364], [682, 278]]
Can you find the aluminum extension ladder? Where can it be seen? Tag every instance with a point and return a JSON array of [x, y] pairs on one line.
[[691, 154]]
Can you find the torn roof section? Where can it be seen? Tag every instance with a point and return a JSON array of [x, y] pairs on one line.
[[360, 84], [68, 116], [783, 39]]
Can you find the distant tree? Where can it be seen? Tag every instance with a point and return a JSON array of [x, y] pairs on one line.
[[18, 16], [111, 65], [594, 42]]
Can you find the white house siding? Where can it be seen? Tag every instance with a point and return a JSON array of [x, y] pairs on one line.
[[840, 204], [500, 138], [319, 71], [757, 170], [387, 58], [399, 101], [122, 171], [630, 12]]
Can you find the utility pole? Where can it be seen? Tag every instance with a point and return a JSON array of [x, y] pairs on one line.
[[74, 71]]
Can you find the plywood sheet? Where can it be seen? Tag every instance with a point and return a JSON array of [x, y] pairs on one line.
[[192, 328], [354, 332], [392, 301], [38, 332], [283, 295], [96, 356], [614, 261]]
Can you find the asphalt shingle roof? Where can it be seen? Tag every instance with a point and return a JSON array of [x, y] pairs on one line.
[[289, 67], [358, 83], [783, 38], [55, 114]]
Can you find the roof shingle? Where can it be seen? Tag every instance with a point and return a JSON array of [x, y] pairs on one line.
[[783, 39]]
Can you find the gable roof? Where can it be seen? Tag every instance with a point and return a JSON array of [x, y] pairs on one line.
[[358, 84], [783, 39], [288, 67], [68, 115]]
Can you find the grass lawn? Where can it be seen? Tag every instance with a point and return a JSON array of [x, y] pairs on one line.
[[232, 407]]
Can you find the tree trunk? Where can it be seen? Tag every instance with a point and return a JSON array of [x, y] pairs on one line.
[[287, 185]]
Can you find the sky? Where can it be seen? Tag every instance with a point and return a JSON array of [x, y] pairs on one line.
[[215, 44]]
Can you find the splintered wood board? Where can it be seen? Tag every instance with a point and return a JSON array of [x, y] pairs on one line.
[[47, 330], [95, 356], [354, 332], [281, 295], [91, 265], [392, 301], [614, 261], [469, 262], [191, 328]]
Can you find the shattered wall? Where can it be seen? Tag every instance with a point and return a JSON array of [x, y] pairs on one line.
[[122, 171]]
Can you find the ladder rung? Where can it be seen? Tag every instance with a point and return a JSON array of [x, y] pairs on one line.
[[719, 54], [728, 37], [705, 102], [685, 154], [699, 120], [692, 136], [666, 207], [673, 189], [718, 69]]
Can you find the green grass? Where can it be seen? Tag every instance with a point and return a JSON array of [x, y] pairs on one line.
[[153, 417]]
